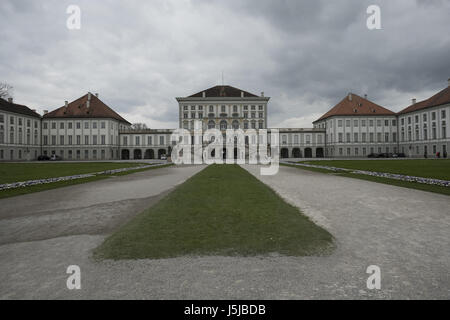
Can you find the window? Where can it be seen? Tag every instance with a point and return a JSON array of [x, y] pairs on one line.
[[2, 118], [253, 115], [200, 107], [28, 123], [70, 140], [433, 116], [103, 139], [308, 139], [370, 123], [347, 139], [53, 125], [386, 137], [69, 125], [394, 122], [371, 137], [192, 107], [137, 140], [444, 130], [193, 115], [11, 120], [185, 107], [261, 115], [253, 107], [186, 115], [347, 123], [363, 123], [53, 140], [442, 114], [61, 140], [386, 123], [222, 108], [149, 140], [94, 139], [45, 125], [125, 141], [355, 123], [86, 125], [200, 115], [86, 154], [379, 137], [161, 140], [394, 136], [61, 125], [45, 140], [284, 139], [378, 123], [355, 137], [78, 139], [78, 127], [103, 124], [86, 139], [245, 114], [340, 137], [363, 137], [211, 108], [235, 109], [245, 107], [339, 123], [424, 117]]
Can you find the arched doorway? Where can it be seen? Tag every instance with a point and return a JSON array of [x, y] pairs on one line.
[[308, 153], [149, 154], [319, 153], [125, 154], [284, 153], [235, 153], [161, 152], [223, 125], [137, 153], [296, 153], [224, 153]]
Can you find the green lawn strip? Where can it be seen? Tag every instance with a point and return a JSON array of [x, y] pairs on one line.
[[15, 172], [426, 168], [53, 185], [222, 210], [394, 182]]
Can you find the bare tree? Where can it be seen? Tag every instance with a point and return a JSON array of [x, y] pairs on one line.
[[5, 90], [138, 126]]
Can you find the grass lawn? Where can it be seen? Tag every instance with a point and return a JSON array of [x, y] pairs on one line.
[[222, 210], [31, 171], [14, 172], [428, 168]]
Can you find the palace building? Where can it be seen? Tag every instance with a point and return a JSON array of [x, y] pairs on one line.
[[88, 129]]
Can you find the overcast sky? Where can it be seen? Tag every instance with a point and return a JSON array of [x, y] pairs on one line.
[[305, 55]]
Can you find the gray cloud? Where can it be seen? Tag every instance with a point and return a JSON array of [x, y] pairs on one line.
[[306, 55]]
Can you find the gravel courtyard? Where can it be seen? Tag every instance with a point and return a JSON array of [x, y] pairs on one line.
[[403, 231]]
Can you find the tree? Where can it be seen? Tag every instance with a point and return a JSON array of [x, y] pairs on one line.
[[138, 126], [5, 90]]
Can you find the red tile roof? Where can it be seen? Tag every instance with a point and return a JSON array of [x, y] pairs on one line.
[[440, 98], [78, 109], [17, 108], [223, 91], [358, 106]]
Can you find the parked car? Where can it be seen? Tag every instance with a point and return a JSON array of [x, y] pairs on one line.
[[43, 157], [55, 157], [398, 155], [163, 157], [373, 155]]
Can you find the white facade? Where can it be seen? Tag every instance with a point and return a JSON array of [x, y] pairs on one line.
[[81, 139], [19, 136], [145, 144], [424, 132], [359, 136]]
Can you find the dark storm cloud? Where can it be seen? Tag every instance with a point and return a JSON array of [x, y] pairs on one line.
[[306, 55]]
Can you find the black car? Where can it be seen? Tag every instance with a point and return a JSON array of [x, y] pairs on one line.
[[55, 157], [43, 158], [372, 155]]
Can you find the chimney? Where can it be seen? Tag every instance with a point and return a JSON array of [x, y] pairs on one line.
[[203, 94], [242, 94], [262, 94], [365, 96], [10, 100], [88, 103], [45, 111], [413, 100], [350, 96], [66, 103]]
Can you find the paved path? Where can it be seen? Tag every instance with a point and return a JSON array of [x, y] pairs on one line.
[[404, 231]]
